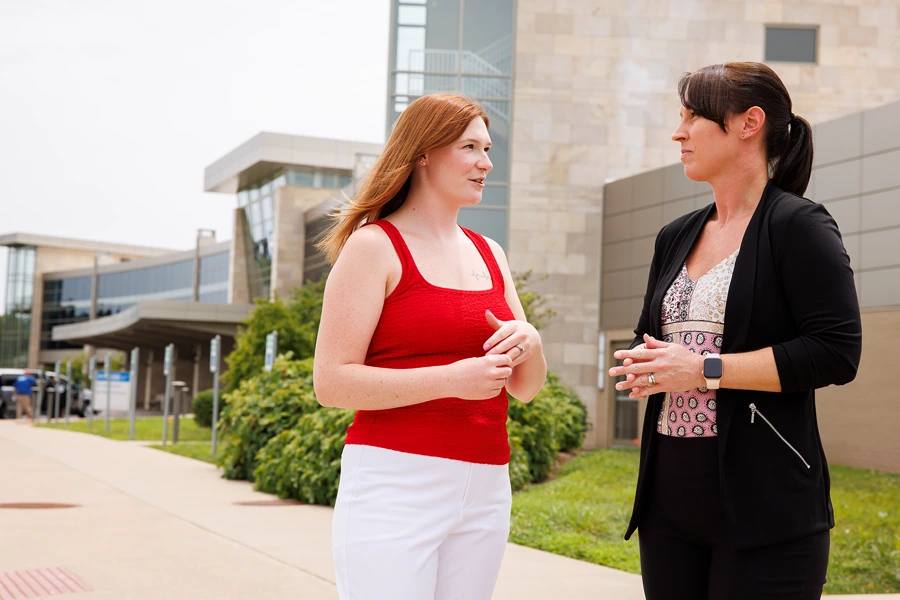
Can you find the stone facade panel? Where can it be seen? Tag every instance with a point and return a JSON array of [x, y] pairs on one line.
[[598, 103]]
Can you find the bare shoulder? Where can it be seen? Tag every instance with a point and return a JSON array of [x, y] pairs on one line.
[[369, 255], [499, 254], [368, 239], [368, 245]]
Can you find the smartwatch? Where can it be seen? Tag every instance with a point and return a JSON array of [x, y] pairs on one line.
[[712, 371]]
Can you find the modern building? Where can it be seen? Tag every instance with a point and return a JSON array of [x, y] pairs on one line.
[[65, 296], [279, 181], [583, 93], [582, 100], [25, 336]]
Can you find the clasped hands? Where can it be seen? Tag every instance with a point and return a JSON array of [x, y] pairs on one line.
[[673, 367], [517, 339], [512, 343]]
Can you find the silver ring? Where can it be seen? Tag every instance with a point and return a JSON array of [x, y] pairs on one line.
[[521, 350], [651, 379]]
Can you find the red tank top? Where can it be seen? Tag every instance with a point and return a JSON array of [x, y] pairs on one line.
[[423, 325]]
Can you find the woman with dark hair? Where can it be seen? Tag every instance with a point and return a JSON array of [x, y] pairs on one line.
[[423, 333], [750, 307]]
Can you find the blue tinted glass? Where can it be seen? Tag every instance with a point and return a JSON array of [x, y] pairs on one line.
[[487, 37], [493, 195], [300, 178], [214, 269], [489, 223]]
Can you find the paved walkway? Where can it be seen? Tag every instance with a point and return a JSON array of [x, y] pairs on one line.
[[154, 525]]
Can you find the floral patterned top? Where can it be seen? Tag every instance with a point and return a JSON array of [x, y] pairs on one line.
[[693, 315]]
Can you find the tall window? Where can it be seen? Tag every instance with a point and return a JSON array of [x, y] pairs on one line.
[[258, 202], [214, 278], [460, 46], [65, 301], [15, 330], [625, 410]]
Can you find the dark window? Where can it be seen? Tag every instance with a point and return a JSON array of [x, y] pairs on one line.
[[625, 409], [65, 301], [791, 44]]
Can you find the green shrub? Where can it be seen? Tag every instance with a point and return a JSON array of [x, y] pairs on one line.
[[519, 475], [538, 434], [555, 420], [261, 408], [297, 322], [202, 406], [304, 463], [570, 414]]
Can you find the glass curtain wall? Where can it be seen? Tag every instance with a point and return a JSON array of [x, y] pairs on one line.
[[69, 300], [214, 278], [15, 330], [460, 46], [258, 201], [65, 301], [119, 291]]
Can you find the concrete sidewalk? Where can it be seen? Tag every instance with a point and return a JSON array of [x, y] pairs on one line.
[[154, 525]]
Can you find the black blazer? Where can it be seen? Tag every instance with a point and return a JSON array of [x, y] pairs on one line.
[[792, 289]]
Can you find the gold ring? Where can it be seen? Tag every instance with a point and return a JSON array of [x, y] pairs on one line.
[[651, 379], [521, 350]]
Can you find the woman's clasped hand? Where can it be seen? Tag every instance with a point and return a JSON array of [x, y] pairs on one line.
[[674, 368]]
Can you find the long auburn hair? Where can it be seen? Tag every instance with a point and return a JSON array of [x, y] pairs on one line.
[[429, 122], [716, 91]]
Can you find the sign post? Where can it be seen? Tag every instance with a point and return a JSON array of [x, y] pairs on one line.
[[271, 350], [106, 362], [68, 388], [92, 373], [56, 384], [214, 364], [167, 371], [132, 408]]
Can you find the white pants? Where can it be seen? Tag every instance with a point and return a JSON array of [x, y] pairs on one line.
[[411, 527]]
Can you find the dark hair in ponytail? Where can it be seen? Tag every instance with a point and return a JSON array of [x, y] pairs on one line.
[[717, 91]]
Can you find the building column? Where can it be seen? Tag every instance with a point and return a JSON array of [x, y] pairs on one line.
[[289, 254]]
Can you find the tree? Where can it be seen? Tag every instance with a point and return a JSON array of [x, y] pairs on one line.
[[534, 303], [297, 323]]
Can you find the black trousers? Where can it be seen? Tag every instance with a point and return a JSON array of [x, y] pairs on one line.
[[686, 553]]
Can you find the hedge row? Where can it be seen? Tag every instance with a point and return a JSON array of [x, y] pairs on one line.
[[276, 434]]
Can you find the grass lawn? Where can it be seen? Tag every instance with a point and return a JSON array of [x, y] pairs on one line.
[[198, 450], [145, 429], [584, 511]]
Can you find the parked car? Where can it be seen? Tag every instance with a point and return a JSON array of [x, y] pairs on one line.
[[81, 398]]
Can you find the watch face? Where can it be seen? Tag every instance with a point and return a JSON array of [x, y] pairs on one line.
[[712, 368]]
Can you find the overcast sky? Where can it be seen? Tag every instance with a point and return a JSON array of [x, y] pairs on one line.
[[110, 110]]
